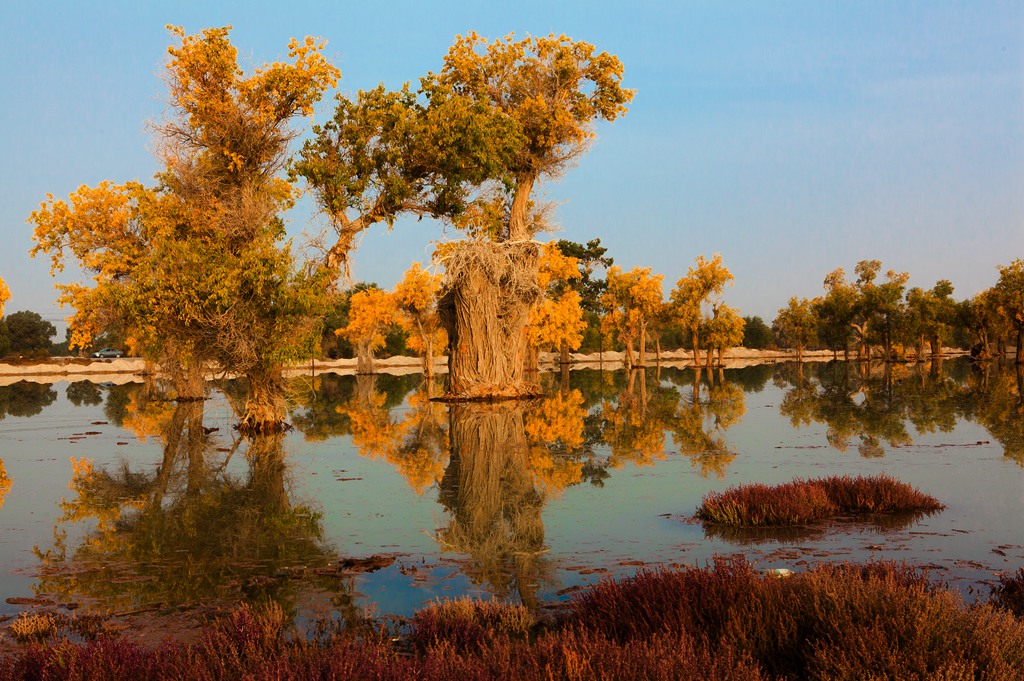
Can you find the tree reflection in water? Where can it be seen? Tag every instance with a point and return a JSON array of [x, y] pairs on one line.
[[998, 404], [495, 505], [876, 403], [699, 424], [189, 531], [25, 398], [496, 465]]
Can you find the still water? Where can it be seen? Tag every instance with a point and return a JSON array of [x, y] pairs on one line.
[[379, 500]]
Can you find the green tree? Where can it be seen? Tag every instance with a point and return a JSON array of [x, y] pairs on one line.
[[836, 312], [29, 333], [931, 316], [880, 307], [756, 334], [590, 258]]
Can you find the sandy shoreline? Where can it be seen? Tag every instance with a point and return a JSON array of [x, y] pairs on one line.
[[132, 369]]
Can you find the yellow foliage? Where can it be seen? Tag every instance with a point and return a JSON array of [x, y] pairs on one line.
[[558, 420], [92, 503], [5, 295], [5, 483], [416, 300], [417, 446], [557, 321], [634, 298], [556, 267], [147, 418], [371, 311], [553, 87]]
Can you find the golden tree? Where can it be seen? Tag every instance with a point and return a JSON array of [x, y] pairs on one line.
[[550, 90], [415, 298], [796, 325], [723, 330], [699, 289], [557, 322], [634, 299], [195, 269], [372, 311]]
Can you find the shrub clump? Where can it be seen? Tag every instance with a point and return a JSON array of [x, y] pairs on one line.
[[806, 501], [1008, 594], [723, 622]]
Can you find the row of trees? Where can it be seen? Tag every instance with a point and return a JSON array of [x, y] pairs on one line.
[[870, 313], [195, 270]]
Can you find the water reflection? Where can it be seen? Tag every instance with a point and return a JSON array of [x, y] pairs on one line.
[[998, 405], [700, 423], [84, 394], [214, 518], [25, 398], [494, 503], [875, 405], [187, 531]]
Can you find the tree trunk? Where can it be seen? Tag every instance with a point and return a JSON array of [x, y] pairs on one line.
[[657, 350], [696, 349], [187, 374], [936, 346], [1020, 346], [428, 357], [364, 357], [799, 353], [487, 300], [265, 408], [721, 356], [627, 355], [532, 365], [641, 359], [518, 224], [564, 354]]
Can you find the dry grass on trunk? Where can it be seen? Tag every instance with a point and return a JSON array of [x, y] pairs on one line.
[[489, 291]]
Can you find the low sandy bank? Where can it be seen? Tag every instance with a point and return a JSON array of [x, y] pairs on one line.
[[131, 369]]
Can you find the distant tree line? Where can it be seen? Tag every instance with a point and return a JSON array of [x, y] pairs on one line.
[[873, 317]]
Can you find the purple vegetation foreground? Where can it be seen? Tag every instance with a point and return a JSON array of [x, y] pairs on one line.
[[726, 621]]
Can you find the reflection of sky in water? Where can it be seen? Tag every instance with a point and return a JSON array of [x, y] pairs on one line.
[[638, 516]]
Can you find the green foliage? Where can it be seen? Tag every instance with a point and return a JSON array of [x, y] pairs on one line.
[[795, 325], [29, 333], [756, 334]]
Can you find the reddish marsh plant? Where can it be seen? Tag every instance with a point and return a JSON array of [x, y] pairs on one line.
[[806, 501]]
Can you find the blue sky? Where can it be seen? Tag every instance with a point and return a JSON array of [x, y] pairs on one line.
[[791, 137]]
